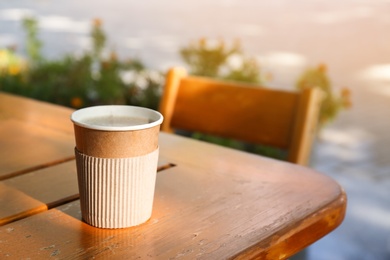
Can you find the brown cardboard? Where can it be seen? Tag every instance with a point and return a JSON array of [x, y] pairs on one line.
[[116, 144]]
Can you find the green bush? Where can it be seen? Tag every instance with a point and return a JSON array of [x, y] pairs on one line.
[[332, 103], [218, 61], [92, 79], [81, 81]]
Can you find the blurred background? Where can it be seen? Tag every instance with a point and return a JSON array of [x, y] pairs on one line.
[[343, 45]]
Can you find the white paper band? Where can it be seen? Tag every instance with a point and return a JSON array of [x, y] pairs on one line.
[[116, 193]]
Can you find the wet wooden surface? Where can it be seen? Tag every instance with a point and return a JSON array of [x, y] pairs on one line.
[[210, 203]]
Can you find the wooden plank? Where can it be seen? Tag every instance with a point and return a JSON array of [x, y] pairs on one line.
[[215, 204], [16, 205], [25, 147], [167, 104], [239, 111], [305, 127], [39, 190], [34, 135], [36, 112], [52, 186]]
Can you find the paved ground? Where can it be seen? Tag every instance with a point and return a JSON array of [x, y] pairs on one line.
[[352, 37], [355, 151]]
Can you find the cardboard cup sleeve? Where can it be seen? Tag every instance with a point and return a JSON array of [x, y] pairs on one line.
[[116, 192]]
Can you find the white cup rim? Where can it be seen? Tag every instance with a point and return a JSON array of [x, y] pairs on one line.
[[154, 116]]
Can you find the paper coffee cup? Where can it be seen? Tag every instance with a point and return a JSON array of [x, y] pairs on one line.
[[116, 155]]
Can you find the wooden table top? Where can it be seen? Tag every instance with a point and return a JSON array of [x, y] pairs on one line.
[[210, 202]]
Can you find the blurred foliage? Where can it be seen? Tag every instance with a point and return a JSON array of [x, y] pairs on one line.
[[215, 59], [332, 103], [96, 78], [90, 79], [11, 63], [98, 39], [33, 44]]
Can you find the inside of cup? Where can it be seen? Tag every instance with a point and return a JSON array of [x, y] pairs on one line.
[[116, 118]]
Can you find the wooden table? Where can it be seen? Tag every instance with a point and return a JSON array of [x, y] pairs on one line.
[[210, 202]]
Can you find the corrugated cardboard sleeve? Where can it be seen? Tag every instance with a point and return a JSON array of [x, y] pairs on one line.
[[116, 144], [116, 192]]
